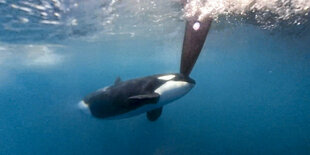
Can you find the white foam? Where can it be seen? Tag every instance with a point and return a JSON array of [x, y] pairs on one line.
[[56, 14], [74, 22], [39, 7], [52, 22], [44, 14], [57, 3], [23, 19], [43, 55], [281, 9], [21, 8], [40, 55]]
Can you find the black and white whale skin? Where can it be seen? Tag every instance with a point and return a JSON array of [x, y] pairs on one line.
[[149, 94], [133, 97]]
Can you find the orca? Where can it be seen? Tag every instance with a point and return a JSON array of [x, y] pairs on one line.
[[133, 97], [149, 94]]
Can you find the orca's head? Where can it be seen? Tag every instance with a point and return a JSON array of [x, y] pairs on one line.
[[176, 86]]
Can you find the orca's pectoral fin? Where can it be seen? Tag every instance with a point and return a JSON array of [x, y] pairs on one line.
[[117, 81], [194, 38], [143, 99], [153, 115]]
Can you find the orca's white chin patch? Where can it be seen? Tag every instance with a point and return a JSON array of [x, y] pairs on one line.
[[84, 107], [173, 90]]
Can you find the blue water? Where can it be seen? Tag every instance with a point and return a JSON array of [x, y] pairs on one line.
[[252, 95]]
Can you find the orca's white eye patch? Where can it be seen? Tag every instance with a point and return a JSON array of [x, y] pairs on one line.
[[166, 77]]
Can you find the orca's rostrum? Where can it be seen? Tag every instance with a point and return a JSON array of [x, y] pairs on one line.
[[149, 94]]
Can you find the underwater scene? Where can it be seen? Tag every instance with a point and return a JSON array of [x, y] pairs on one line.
[[155, 77]]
